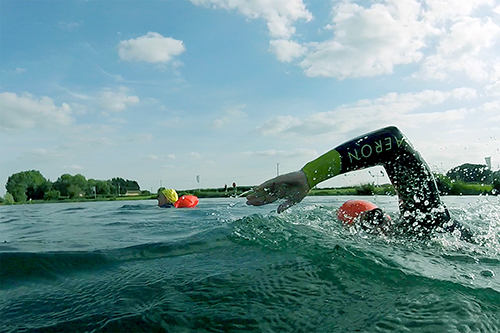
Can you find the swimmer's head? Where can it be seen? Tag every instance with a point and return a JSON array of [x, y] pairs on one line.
[[169, 194], [350, 211], [365, 214]]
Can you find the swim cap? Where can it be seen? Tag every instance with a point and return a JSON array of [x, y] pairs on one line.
[[351, 209], [170, 195]]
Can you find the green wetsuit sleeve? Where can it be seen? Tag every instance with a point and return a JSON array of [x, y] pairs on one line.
[[375, 148], [322, 168]]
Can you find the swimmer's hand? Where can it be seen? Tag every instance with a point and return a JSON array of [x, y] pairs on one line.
[[292, 187]]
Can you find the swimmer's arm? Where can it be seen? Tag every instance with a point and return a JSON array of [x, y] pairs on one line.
[[372, 149], [293, 187]]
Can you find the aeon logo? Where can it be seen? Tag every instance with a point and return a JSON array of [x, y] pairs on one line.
[[375, 147]]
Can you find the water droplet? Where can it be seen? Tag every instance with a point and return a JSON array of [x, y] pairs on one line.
[[487, 272]]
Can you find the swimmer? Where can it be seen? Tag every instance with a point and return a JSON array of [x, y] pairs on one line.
[[421, 209], [169, 198]]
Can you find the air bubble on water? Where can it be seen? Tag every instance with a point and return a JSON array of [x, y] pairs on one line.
[[487, 273]]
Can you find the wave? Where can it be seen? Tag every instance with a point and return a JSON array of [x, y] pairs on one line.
[[10, 220], [73, 209], [310, 233], [296, 271], [137, 207], [20, 266]]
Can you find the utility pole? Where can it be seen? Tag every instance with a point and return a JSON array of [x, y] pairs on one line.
[[377, 175]]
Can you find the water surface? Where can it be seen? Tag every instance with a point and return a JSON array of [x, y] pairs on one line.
[[224, 266]]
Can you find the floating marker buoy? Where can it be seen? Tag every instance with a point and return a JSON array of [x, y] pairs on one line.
[[186, 201]]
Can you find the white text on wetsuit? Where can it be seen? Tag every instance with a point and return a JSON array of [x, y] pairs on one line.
[[379, 146]]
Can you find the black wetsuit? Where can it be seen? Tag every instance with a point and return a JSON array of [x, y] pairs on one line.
[[421, 208]]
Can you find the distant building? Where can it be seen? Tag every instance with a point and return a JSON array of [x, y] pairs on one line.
[[488, 161], [131, 193]]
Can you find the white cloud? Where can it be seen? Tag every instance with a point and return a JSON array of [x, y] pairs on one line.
[[287, 50], [277, 125], [489, 113], [493, 89], [73, 167], [369, 41], [27, 111], [442, 10], [300, 152], [168, 166], [152, 47], [407, 108], [230, 116], [441, 37], [462, 49], [421, 119], [69, 25], [280, 15], [195, 155], [116, 101], [141, 137], [117, 120], [172, 122], [40, 155], [464, 93]]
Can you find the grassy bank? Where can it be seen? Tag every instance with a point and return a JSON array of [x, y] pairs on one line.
[[365, 189]]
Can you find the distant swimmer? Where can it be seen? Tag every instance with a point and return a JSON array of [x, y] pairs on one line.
[[421, 209], [169, 198]]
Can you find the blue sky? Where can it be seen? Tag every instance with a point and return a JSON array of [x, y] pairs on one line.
[[162, 91]]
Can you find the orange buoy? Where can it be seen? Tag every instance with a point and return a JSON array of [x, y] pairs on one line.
[[186, 201], [351, 209]]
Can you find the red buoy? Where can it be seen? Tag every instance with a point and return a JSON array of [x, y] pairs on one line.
[[186, 201]]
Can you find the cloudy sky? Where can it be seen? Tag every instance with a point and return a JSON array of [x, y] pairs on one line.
[[162, 91]]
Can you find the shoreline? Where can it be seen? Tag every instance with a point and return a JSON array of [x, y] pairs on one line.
[[367, 189]]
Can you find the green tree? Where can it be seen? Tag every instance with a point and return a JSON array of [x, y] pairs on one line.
[[496, 181], [77, 184], [102, 187], [62, 183], [366, 189], [52, 195], [26, 185], [444, 183], [470, 173], [91, 184], [80, 181], [74, 191], [8, 199], [132, 185], [120, 185]]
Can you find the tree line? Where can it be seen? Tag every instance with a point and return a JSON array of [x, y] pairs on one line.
[[24, 186], [469, 179], [32, 185]]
